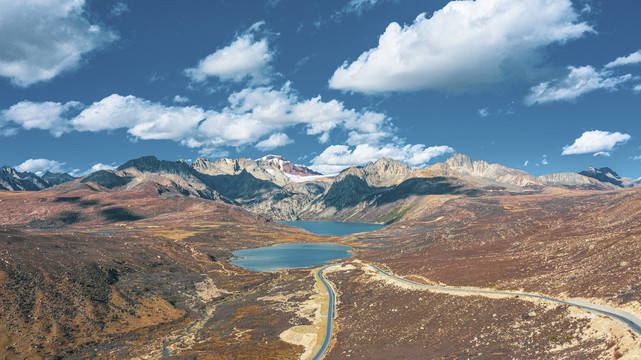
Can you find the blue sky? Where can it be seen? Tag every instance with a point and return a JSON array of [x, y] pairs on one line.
[[541, 85]]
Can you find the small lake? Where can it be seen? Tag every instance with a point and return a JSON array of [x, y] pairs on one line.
[[334, 228], [289, 256]]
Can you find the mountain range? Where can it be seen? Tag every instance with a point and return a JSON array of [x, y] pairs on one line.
[[272, 186], [13, 180]]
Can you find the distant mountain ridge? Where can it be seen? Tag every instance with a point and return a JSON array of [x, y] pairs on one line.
[[57, 178], [13, 180], [381, 191], [482, 174], [607, 175]]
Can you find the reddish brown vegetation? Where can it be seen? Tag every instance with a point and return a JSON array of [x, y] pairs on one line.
[[577, 243]]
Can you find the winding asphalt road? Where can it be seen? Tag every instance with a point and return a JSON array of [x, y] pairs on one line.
[[330, 314], [630, 320]]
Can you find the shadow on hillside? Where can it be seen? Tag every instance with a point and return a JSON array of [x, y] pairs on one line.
[[107, 179], [243, 186], [62, 219], [76, 200], [67, 199], [70, 217], [118, 214], [353, 190]]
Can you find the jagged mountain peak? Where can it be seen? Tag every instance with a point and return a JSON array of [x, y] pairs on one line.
[[389, 170], [460, 165], [14, 180], [463, 163], [269, 157], [57, 178], [604, 170], [8, 171], [385, 163], [106, 178], [383, 172], [607, 175], [218, 165], [286, 167], [459, 161], [140, 163], [151, 164], [200, 162]]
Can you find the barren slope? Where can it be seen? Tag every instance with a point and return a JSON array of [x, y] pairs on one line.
[[579, 244]]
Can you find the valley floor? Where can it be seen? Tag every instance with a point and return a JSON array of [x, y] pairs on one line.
[[160, 285]]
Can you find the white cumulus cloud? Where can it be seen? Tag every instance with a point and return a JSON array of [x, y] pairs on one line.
[[246, 57], [41, 39], [142, 118], [579, 81], [253, 116], [371, 128], [181, 99], [338, 157], [596, 142], [274, 141], [96, 167], [254, 113], [48, 115], [634, 58], [464, 45], [40, 166]]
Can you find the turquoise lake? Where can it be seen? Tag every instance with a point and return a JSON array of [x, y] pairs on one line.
[[301, 255], [289, 256], [334, 228]]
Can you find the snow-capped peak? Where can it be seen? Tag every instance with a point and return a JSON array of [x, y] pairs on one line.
[[287, 167]]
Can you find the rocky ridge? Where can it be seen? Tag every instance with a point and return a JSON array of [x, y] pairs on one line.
[[13, 180], [483, 174], [608, 176]]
